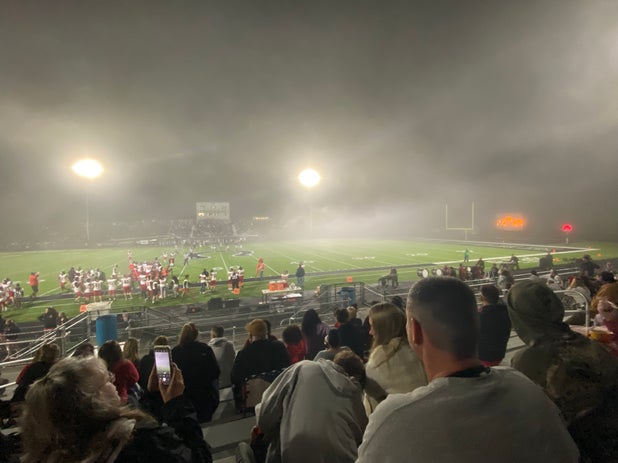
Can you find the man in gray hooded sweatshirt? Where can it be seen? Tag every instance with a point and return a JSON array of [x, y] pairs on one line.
[[313, 412]]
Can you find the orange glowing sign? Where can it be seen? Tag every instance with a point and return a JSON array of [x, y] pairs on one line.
[[511, 222]]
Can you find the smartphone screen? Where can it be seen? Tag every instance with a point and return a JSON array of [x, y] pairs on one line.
[[163, 363]]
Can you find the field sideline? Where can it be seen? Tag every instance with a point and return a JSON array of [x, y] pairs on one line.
[[326, 261]]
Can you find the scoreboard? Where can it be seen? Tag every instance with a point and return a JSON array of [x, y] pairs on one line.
[[212, 211]]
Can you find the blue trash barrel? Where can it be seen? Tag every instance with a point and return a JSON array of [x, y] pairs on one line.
[[106, 328], [348, 294]]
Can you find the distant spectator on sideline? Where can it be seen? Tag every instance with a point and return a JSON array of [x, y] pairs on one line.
[[224, 353], [495, 327], [578, 374], [300, 275], [200, 371], [468, 412], [313, 411], [314, 331]]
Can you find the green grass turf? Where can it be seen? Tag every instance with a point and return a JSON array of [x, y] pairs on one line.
[[345, 256]]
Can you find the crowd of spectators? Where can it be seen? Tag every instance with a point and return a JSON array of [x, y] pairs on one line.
[[417, 380]]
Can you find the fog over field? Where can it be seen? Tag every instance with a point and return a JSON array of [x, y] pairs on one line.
[[402, 106]]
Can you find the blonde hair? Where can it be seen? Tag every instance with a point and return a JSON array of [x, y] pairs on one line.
[[130, 350], [257, 329], [353, 311], [387, 322], [48, 353], [66, 402], [188, 333]]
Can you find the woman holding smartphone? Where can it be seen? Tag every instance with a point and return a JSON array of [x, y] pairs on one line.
[[54, 430]]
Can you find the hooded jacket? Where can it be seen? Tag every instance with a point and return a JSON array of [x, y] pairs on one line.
[[312, 412], [225, 355], [578, 374]]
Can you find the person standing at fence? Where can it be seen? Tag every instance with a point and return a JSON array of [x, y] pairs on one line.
[[11, 331], [300, 275], [49, 319]]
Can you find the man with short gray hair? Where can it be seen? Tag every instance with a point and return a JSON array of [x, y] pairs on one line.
[[468, 412]]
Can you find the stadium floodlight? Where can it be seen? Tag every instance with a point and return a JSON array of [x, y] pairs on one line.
[[89, 169], [309, 178]]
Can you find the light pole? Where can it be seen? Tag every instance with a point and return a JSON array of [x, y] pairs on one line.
[[309, 178], [88, 169]]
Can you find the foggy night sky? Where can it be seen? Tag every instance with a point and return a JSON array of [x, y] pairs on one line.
[[401, 106]]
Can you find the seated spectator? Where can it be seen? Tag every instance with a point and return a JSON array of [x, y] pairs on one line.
[[314, 331], [125, 373], [224, 353], [349, 334], [74, 414], [605, 306], [130, 351], [393, 367], [578, 284], [495, 327], [333, 346], [45, 358], [200, 371], [293, 340], [84, 350], [578, 374], [468, 412], [260, 356], [554, 281], [354, 320], [313, 411]]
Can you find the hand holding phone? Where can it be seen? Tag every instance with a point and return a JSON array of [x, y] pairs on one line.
[[163, 363]]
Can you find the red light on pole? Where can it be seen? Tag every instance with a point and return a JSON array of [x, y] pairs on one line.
[[567, 228]]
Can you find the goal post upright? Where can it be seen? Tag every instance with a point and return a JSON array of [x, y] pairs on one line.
[[464, 229]]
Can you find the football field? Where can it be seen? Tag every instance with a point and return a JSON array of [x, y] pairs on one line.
[[326, 261]]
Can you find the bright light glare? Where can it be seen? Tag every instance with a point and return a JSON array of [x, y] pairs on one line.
[[88, 168], [309, 178]]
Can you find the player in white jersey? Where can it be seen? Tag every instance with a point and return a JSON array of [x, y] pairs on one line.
[[203, 281], [162, 287], [230, 272], [126, 287], [77, 289], [241, 276], [213, 280], [97, 289], [111, 288], [63, 279]]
